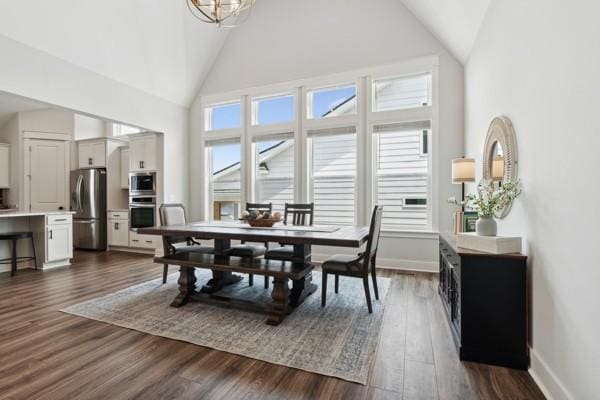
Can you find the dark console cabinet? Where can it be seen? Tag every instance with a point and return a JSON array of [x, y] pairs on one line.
[[485, 299]]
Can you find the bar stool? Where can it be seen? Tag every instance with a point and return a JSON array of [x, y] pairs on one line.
[[15, 237]]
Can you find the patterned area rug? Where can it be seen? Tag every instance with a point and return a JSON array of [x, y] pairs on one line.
[[339, 340]]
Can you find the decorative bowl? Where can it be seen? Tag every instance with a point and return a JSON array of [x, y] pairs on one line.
[[261, 222]]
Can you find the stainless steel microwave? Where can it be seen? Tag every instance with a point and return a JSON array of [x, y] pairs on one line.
[[142, 183]]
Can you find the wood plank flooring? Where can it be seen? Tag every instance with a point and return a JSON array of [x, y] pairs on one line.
[[46, 354]]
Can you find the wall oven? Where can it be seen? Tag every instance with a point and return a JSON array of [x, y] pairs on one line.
[[142, 212], [142, 183]]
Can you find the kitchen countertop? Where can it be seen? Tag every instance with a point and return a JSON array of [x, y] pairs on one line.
[[17, 213]]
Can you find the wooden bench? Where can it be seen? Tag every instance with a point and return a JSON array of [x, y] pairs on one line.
[[283, 301]]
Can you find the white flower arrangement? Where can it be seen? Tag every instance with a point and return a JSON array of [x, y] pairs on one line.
[[488, 200]]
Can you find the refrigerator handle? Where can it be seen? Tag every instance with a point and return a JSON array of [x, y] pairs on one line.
[[79, 193]]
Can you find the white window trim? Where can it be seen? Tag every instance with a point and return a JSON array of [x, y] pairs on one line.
[[364, 120]]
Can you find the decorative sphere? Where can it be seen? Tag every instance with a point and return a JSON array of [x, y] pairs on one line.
[[253, 215], [245, 214], [266, 215], [277, 215]]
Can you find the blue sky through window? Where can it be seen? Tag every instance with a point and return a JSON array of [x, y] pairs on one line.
[[226, 116], [325, 100], [275, 110]]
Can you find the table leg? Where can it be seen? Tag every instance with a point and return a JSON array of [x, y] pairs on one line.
[[303, 287], [220, 278], [280, 296], [187, 286]]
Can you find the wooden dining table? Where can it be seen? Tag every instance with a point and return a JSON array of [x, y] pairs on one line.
[[224, 268]]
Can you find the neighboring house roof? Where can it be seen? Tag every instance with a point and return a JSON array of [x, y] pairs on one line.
[[265, 155]]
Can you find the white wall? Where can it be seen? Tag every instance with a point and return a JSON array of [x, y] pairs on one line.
[[538, 63], [38, 75], [89, 128], [287, 40]]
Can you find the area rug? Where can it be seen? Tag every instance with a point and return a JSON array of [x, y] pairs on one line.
[[339, 340]]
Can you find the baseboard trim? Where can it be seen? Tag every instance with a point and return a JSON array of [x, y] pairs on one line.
[[546, 380], [397, 264]]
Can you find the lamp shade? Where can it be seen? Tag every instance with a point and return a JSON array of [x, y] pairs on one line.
[[497, 168], [463, 170]]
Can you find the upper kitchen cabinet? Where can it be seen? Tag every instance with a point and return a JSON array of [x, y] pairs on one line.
[[124, 167], [92, 154], [143, 152], [4, 166]]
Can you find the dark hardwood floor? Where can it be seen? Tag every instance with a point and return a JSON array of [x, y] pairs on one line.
[[46, 354]]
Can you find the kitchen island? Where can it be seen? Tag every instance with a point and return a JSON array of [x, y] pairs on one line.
[[52, 235]]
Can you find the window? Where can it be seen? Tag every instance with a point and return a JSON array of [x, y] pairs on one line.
[[223, 116], [333, 175], [273, 110], [402, 173], [223, 159], [121, 129], [331, 102], [274, 170], [402, 93]]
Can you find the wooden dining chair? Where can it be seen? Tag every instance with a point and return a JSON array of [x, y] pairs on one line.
[[297, 214], [252, 250], [356, 266], [174, 214]]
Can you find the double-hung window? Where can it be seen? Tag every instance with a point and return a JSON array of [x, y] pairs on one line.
[[274, 169], [223, 163], [332, 183], [402, 172]]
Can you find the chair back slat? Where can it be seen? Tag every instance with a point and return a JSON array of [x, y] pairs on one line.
[[259, 207], [301, 213], [374, 233]]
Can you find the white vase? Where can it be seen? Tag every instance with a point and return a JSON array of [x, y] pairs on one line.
[[486, 226]]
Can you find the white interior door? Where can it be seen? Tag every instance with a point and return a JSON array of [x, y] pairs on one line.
[[48, 175]]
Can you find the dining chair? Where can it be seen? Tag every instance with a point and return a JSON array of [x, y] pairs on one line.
[[356, 266], [174, 214], [252, 250], [298, 214]]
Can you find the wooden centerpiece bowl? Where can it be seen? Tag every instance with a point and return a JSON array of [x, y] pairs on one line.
[[261, 222]]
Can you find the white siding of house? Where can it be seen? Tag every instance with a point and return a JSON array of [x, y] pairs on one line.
[[226, 186], [401, 173], [401, 93], [277, 185], [334, 178]]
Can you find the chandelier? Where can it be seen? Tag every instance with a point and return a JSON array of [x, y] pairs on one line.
[[228, 13]]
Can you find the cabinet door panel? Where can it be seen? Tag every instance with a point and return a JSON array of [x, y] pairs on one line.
[[124, 168], [59, 242], [118, 233]]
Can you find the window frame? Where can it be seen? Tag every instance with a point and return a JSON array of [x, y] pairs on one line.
[[364, 119], [207, 115], [403, 76], [254, 109]]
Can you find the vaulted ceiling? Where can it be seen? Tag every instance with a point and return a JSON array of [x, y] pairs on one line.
[[455, 23], [157, 47], [153, 45]]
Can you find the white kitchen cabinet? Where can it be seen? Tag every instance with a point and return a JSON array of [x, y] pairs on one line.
[[143, 153], [4, 166], [124, 167], [118, 232], [92, 154], [59, 238], [143, 241]]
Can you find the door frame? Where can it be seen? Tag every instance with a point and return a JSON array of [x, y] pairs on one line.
[[59, 137]]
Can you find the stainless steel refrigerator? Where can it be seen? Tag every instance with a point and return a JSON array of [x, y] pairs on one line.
[[88, 200]]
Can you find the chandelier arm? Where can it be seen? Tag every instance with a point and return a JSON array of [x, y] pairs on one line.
[[220, 22], [208, 18]]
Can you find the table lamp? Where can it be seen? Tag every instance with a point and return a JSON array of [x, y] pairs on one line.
[[463, 170]]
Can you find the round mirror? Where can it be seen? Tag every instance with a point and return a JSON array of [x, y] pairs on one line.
[[500, 156]]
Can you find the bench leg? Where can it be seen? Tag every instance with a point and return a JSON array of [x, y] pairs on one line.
[[187, 286], [250, 280], [280, 296], [337, 283]]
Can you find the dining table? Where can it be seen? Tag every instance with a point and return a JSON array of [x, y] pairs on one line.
[[226, 269]]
